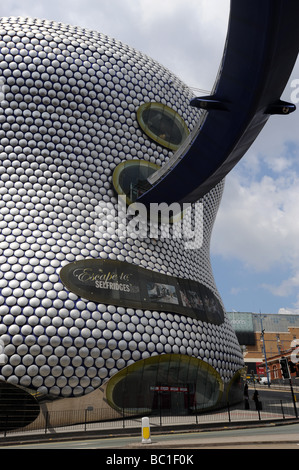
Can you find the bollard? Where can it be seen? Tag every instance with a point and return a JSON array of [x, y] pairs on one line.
[[146, 434]]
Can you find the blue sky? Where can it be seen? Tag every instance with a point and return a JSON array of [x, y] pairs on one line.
[[255, 247], [255, 243]]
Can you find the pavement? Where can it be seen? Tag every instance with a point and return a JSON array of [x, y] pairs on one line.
[[208, 436], [182, 434], [225, 440]]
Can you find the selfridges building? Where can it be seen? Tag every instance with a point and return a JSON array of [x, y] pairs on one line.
[[91, 312]]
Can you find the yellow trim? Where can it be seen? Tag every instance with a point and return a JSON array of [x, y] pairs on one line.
[[153, 360], [118, 170], [115, 181], [166, 111]]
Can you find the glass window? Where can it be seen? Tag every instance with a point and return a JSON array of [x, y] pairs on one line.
[[173, 382], [162, 124], [130, 178]]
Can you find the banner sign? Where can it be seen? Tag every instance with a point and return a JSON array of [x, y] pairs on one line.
[[127, 285], [161, 388], [260, 368]]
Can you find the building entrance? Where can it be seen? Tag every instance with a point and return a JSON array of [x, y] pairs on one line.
[[177, 399], [171, 382]]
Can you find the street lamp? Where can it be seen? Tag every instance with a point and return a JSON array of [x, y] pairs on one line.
[[264, 348]]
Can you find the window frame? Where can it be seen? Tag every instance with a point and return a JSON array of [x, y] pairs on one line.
[[166, 110]]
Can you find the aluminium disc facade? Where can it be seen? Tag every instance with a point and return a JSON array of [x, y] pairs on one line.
[[69, 118]]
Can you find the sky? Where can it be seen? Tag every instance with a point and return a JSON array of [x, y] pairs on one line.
[[255, 241]]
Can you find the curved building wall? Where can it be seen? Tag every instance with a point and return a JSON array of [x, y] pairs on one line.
[[68, 118]]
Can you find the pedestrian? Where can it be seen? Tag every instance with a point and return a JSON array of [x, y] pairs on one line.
[[258, 404], [246, 397]]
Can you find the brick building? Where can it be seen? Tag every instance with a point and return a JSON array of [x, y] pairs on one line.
[[270, 334]]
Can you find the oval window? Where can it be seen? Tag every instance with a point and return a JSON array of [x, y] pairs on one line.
[[162, 124], [130, 178]]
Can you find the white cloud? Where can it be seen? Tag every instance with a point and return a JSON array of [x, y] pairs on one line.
[[237, 290], [286, 287], [258, 221], [185, 36], [288, 311]]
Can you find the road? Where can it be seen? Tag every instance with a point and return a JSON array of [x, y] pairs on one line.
[[270, 393], [265, 437], [274, 436]]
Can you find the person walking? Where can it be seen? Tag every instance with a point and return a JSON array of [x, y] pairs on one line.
[[246, 397], [258, 404]]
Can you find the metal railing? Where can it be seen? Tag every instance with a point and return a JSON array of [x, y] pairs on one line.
[[98, 421]]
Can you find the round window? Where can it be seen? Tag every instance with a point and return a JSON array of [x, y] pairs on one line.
[[162, 124], [130, 178]]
